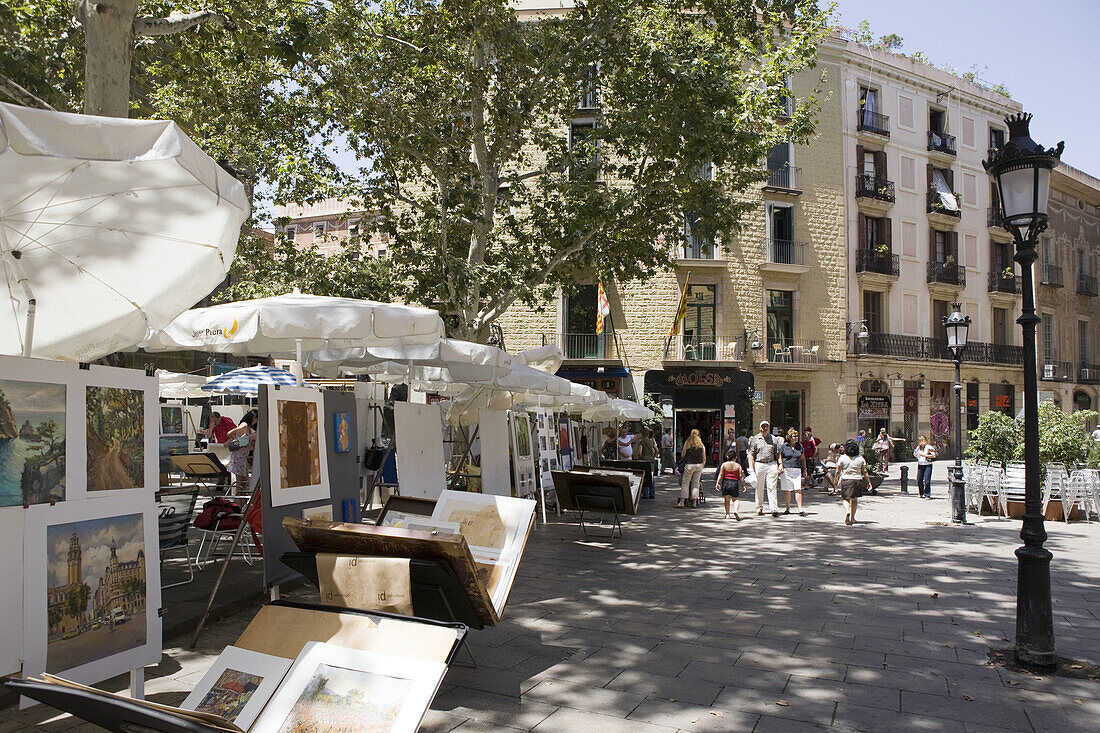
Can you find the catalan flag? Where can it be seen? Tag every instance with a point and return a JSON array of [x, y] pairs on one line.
[[603, 308], [681, 310]]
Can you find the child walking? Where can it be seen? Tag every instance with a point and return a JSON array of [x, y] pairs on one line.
[[729, 483]]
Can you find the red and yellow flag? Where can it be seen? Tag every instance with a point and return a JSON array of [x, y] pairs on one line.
[[681, 310], [603, 308]]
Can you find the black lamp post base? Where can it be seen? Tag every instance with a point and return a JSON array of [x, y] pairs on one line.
[[1034, 617]]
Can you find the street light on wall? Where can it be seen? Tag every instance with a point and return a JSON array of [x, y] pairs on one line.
[[1021, 169], [958, 328]]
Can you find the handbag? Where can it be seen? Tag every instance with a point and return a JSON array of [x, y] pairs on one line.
[[237, 443]]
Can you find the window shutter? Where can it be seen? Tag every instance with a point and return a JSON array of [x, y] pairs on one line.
[[887, 226], [955, 245], [949, 176], [931, 244], [859, 161], [862, 232], [880, 164], [929, 186]]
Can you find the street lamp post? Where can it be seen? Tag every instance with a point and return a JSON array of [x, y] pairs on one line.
[[957, 326], [1021, 168]]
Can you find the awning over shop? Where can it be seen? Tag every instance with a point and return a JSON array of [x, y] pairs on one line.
[[611, 372]]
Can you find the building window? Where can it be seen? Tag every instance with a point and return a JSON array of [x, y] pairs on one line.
[[941, 184], [996, 137], [580, 340], [875, 234], [779, 157], [1000, 326], [585, 150], [1047, 337], [1002, 258], [291, 233], [698, 240], [937, 121], [1083, 344], [318, 229], [872, 310], [944, 247], [780, 320], [699, 321], [589, 88]]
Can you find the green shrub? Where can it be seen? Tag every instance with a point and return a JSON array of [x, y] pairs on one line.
[[1063, 438], [997, 438]]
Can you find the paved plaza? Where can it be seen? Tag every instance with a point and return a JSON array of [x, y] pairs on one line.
[[691, 622]]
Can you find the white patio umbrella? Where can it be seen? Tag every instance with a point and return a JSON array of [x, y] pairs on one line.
[[617, 409], [290, 324], [449, 360], [108, 227], [580, 396], [176, 386], [548, 357], [523, 385]]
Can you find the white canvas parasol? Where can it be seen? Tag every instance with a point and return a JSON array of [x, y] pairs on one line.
[[176, 386], [446, 360], [108, 227], [617, 409], [287, 324]]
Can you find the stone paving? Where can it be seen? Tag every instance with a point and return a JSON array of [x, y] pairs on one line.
[[691, 622]]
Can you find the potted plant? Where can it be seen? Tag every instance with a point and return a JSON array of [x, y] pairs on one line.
[[873, 464], [883, 249], [1007, 273]]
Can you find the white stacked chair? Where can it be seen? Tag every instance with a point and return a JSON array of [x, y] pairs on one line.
[[1075, 494], [1056, 487], [991, 489], [1012, 484], [1090, 484], [974, 476]]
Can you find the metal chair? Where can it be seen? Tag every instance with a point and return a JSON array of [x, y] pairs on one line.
[[225, 528], [176, 514]]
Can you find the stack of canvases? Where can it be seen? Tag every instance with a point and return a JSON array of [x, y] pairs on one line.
[[78, 523]]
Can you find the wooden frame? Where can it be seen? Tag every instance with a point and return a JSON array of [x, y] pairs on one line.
[[406, 505], [617, 487]]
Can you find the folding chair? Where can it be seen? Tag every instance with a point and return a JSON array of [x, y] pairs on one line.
[[176, 513], [204, 469]]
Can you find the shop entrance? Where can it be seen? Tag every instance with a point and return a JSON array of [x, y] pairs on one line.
[[786, 409], [707, 422]]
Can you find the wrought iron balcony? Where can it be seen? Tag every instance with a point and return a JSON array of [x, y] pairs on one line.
[[872, 260], [999, 282], [806, 352], [873, 122], [1056, 371], [871, 186], [707, 347], [995, 219], [787, 179], [941, 142], [1086, 285], [1088, 373], [606, 346], [948, 273], [784, 252], [935, 205], [922, 347], [696, 247], [1050, 275]]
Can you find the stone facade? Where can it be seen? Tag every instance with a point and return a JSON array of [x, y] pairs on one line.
[[1066, 292]]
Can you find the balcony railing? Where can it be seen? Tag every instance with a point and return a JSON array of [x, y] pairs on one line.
[[923, 347], [999, 282], [871, 260], [1050, 275], [786, 179], [606, 346], [707, 347], [698, 248], [806, 352], [935, 205], [994, 218], [1056, 371], [870, 186], [1086, 285], [1088, 373], [784, 252], [948, 273], [941, 142], [873, 122]]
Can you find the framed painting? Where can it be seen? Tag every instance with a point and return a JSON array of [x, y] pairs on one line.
[[41, 432], [341, 431], [298, 463], [238, 685], [91, 588], [171, 420], [121, 417], [342, 690]]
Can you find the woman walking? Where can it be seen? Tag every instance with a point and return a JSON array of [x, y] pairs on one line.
[[925, 453], [695, 457], [729, 482], [851, 474], [883, 445], [794, 468]]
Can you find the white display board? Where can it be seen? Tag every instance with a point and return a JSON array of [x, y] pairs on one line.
[[418, 429], [11, 580], [297, 453], [546, 430], [496, 474], [106, 553], [524, 454]]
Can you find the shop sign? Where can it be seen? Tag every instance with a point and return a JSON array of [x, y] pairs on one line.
[[873, 407], [698, 379], [1003, 402]]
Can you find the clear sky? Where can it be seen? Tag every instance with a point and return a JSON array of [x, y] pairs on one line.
[[1047, 55]]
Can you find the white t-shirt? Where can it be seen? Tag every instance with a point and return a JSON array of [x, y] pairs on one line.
[[850, 468], [626, 450], [1096, 435], [924, 455]]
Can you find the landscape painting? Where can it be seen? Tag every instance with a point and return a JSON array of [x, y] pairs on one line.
[[116, 438], [95, 589], [299, 444], [171, 419], [32, 442], [340, 700]]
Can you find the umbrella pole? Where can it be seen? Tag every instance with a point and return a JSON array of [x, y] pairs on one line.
[[298, 360], [24, 281]]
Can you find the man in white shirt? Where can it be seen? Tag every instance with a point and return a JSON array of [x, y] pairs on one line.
[[764, 462], [626, 442]]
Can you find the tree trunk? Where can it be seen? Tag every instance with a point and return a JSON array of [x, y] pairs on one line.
[[108, 49]]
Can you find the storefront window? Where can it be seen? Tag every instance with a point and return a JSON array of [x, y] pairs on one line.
[[1002, 397]]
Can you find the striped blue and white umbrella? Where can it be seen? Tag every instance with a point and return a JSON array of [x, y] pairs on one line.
[[248, 380]]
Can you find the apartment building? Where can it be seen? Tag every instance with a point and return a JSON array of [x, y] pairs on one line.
[[923, 233], [328, 225], [1066, 293]]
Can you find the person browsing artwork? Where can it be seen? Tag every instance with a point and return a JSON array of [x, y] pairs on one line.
[[764, 462], [241, 441]]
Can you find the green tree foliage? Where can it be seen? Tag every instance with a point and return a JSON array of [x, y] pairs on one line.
[[76, 600], [656, 423], [997, 438], [463, 110]]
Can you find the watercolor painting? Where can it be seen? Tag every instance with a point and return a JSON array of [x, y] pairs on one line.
[[341, 422], [340, 700], [171, 419], [116, 438], [32, 442], [229, 694], [95, 589]]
